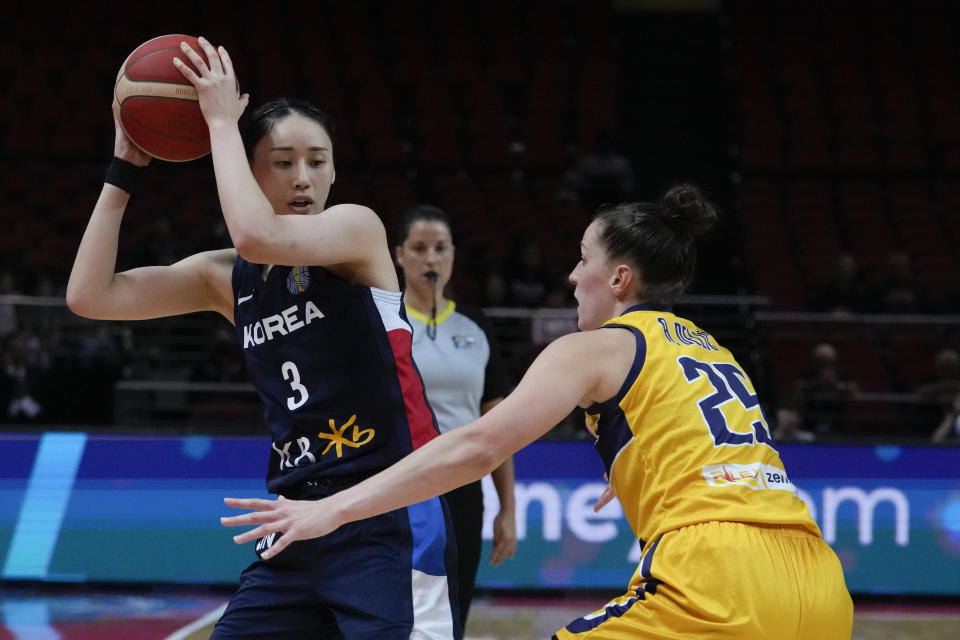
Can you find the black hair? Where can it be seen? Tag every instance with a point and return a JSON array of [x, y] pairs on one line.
[[419, 213], [264, 118], [659, 238]]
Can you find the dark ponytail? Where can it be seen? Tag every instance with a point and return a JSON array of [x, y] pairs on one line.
[[659, 238]]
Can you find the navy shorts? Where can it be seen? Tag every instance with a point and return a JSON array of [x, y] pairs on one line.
[[385, 577]]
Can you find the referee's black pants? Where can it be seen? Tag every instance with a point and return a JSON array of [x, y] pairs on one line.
[[466, 511]]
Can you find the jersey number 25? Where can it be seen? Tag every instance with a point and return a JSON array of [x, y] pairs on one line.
[[728, 382]]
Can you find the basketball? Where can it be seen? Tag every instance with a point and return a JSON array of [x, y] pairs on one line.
[[158, 107]]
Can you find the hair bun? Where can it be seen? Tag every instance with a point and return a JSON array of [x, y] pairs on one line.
[[685, 207]]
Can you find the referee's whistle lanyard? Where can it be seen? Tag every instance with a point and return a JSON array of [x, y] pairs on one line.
[[432, 325]]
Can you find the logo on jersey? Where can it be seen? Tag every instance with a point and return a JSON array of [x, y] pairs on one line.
[[298, 280], [287, 321], [464, 342], [337, 439], [266, 542], [754, 476]]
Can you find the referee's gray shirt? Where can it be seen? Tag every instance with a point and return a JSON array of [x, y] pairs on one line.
[[461, 366]]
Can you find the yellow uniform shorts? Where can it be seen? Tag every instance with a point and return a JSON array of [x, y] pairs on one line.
[[728, 580]]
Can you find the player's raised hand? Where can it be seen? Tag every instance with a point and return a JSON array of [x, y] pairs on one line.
[[296, 519], [216, 83], [122, 147]]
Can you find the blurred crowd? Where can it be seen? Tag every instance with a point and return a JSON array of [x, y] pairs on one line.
[[64, 372], [61, 369]]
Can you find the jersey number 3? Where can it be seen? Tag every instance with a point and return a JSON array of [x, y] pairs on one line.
[[292, 375], [728, 382]]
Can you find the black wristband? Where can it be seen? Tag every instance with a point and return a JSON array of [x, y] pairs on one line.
[[123, 174]]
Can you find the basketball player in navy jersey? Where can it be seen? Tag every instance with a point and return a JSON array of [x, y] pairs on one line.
[[315, 299]]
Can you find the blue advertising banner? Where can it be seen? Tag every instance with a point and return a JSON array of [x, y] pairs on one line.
[[891, 513], [77, 507]]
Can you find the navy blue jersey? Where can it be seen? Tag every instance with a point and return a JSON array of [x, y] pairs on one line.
[[331, 362]]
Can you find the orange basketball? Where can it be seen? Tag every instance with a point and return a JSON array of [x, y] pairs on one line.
[[158, 107]]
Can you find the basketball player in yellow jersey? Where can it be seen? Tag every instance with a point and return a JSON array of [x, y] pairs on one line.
[[729, 550]]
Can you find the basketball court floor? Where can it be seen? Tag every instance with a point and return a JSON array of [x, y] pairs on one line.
[[69, 613]]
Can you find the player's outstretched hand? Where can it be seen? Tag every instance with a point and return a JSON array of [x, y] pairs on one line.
[[216, 82], [296, 519]]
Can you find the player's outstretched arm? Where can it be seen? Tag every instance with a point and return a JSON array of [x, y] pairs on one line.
[[568, 372]]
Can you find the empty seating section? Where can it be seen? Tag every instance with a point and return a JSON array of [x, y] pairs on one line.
[[847, 139], [848, 130], [849, 142], [474, 104]]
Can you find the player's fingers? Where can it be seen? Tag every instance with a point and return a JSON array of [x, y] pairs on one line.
[[503, 553], [225, 60], [599, 504], [254, 517], [604, 498], [279, 545], [495, 552], [186, 71], [252, 534], [194, 57], [213, 58], [502, 549], [254, 504]]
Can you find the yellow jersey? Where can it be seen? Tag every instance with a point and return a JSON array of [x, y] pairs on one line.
[[684, 441]]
